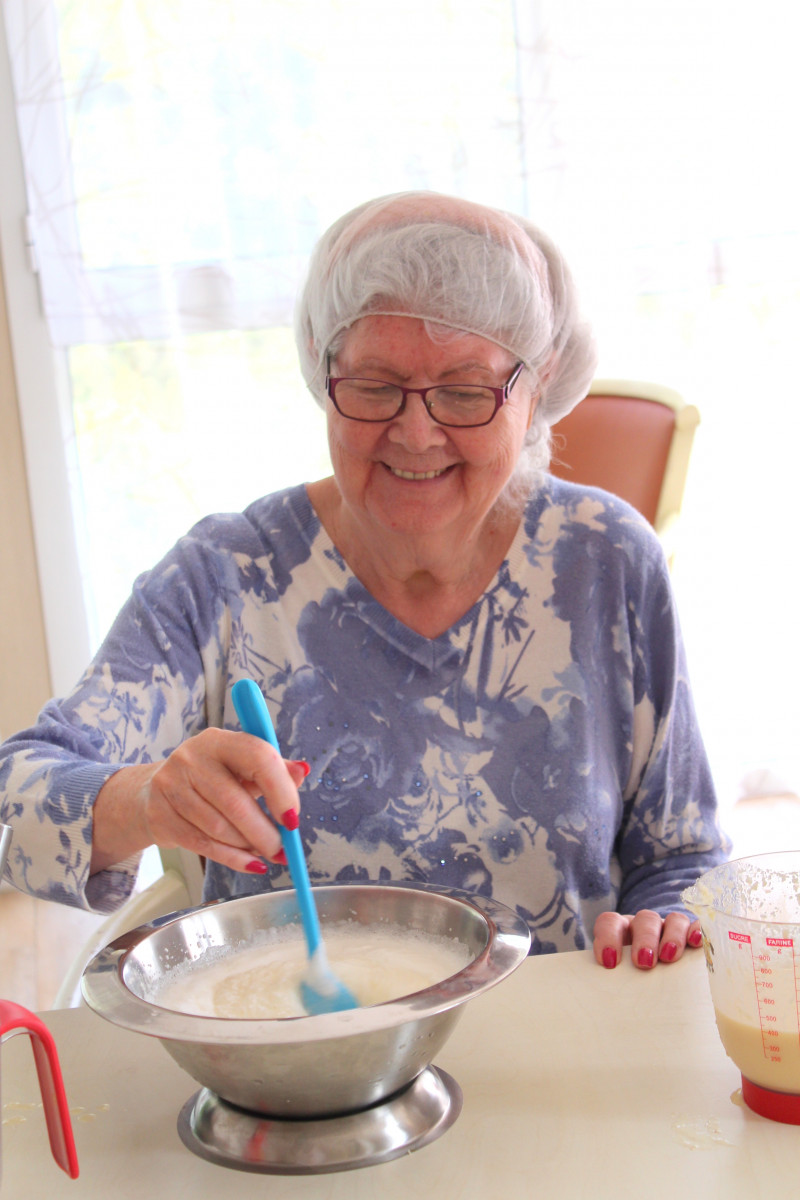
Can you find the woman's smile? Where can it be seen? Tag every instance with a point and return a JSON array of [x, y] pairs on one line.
[[417, 476]]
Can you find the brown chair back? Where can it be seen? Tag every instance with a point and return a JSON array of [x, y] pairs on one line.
[[632, 439]]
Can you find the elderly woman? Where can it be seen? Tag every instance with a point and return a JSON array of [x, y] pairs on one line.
[[475, 670]]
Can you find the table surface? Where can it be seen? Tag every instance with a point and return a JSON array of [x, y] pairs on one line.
[[578, 1083]]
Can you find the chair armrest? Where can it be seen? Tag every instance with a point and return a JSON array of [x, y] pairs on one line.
[[167, 894]]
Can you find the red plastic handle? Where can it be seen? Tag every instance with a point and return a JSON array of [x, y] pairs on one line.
[[16, 1019]]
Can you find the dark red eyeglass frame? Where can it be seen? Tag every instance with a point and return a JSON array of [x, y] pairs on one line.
[[500, 397]]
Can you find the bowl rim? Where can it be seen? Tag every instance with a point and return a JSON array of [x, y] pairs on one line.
[[106, 993]]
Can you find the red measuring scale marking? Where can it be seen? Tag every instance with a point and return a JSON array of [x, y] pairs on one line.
[[774, 952]]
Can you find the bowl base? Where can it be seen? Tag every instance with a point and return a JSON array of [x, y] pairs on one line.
[[247, 1141]]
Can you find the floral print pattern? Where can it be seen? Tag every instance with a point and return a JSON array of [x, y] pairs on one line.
[[543, 751]]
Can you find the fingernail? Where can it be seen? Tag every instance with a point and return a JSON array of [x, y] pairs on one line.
[[609, 957], [668, 952], [280, 858], [645, 957], [695, 938], [301, 762], [290, 819], [255, 867]]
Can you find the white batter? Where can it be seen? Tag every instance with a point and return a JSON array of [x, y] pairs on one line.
[[378, 963], [771, 1062]]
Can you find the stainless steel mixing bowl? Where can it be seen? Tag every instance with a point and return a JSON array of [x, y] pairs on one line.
[[306, 1067]]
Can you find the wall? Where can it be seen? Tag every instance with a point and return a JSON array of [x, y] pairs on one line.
[[24, 671], [40, 575]]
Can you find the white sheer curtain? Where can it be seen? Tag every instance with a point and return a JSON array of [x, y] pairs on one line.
[[182, 156]]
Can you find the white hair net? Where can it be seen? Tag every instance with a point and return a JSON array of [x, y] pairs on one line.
[[454, 263]]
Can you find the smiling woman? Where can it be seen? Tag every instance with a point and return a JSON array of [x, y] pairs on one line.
[[476, 669], [413, 504]]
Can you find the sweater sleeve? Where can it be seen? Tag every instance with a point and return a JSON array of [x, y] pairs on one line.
[[143, 694], [670, 832]]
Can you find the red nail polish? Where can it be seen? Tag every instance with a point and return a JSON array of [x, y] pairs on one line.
[[280, 858], [609, 957], [668, 952], [255, 867], [290, 819], [645, 957], [301, 762], [695, 938]]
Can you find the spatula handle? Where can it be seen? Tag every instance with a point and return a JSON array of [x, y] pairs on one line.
[[251, 708]]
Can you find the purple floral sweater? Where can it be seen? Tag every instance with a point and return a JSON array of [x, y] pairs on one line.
[[544, 751]]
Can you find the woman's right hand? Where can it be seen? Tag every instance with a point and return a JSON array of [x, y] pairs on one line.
[[203, 798]]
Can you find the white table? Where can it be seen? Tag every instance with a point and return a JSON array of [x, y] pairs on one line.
[[578, 1083]]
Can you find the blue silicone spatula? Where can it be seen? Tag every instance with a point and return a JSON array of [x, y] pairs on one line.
[[320, 989]]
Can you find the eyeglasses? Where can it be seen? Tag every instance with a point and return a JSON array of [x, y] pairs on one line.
[[457, 405]]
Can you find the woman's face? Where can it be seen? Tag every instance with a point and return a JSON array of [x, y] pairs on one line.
[[410, 475]]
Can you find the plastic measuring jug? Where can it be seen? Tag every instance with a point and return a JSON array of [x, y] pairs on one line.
[[749, 912]]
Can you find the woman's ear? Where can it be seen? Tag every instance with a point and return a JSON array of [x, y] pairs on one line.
[[530, 380], [534, 404]]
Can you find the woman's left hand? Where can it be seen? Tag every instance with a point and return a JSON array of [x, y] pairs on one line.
[[652, 938]]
